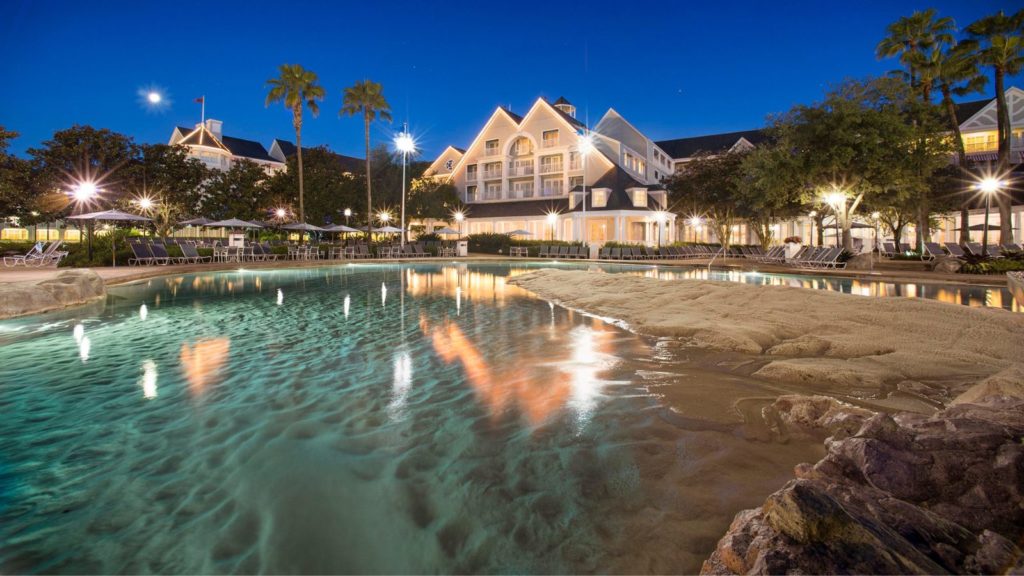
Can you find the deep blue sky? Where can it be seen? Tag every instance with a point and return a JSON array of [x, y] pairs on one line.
[[673, 69]]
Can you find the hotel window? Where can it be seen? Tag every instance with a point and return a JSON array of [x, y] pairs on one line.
[[471, 173], [522, 146], [491, 148], [575, 181], [551, 163], [470, 193], [639, 198], [493, 191], [574, 161], [984, 142], [522, 189], [599, 198], [492, 170], [552, 187], [550, 138]]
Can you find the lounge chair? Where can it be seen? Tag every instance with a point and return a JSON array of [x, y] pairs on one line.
[[616, 254], [1010, 248], [192, 255], [33, 256], [905, 247], [974, 248], [650, 254], [160, 254], [933, 250], [543, 253], [604, 253], [955, 250]]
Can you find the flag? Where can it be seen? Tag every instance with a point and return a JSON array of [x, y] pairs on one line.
[[200, 99]]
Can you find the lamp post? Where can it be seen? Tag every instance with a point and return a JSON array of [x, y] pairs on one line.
[[988, 186], [552, 219], [836, 199], [660, 216], [586, 146], [695, 223], [83, 193], [406, 145], [348, 214], [812, 214], [459, 217]]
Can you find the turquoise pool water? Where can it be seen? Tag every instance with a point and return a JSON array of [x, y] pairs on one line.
[[368, 418]]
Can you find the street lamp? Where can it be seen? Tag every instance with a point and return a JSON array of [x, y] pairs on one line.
[[836, 199], [695, 223], [586, 146], [459, 216], [348, 214], [83, 193], [988, 187], [552, 220], [660, 216], [405, 144], [812, 214]]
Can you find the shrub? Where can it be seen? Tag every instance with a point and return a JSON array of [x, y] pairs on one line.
[[500, 243], [19, 248], [979, 265]]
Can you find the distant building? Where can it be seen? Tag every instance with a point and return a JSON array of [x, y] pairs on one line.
[[530, 173], [281, 150], [208, 143]]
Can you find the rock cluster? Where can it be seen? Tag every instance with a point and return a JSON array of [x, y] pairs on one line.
[[903, 494], [67, 288]]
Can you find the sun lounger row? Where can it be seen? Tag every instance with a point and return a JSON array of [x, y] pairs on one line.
[[408, 251], [38, 256], [562, 252], [818, 257], [934, 249]]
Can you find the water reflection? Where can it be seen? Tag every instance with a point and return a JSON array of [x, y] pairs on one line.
[[143, 312], [345, 306], [401, 382], [84, 344], [202, 362], [148, 379], [280, 297]]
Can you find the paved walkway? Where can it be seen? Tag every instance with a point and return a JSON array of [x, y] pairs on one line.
[[891, 271]]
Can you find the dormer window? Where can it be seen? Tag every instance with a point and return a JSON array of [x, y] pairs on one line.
[[599, 197], [550, 138], [639, 197]]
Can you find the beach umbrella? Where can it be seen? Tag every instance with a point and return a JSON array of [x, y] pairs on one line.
[[302, 227], [339, 228], [520, 232], [233, 223], [195, 222], [109, 216], [388, 230], [980, 227]]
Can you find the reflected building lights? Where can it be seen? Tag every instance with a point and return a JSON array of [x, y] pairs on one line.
[[148, 379], [203, 361], [280, 297], [84, 346], [458, 300], [401, 383], [383, 295], [346, 304], [143, 312]]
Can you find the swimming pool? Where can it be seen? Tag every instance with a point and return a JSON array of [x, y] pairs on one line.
[[369, 418]]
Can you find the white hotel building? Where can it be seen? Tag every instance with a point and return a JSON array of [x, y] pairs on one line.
[[527, 172]]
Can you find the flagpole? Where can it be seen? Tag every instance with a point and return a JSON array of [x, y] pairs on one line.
[[202, 118]]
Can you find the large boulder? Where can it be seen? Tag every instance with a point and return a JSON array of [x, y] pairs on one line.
[[905, 494], [947, 264], [861, 262], [67, 288]]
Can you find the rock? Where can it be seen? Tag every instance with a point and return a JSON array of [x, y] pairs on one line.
[[1009, 382], [905, 494], [815, 416], [946, 264], [861, 262], [67, 288]]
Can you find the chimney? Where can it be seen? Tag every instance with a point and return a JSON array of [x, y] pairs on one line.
[[215, 128]]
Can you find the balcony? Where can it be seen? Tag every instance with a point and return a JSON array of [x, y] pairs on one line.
[[472, 176], [549, 143], [492, 174], [551, 168], [518, 171], [491, 152]]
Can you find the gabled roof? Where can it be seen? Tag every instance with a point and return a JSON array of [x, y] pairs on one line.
[[964, 110], [348, 163], [576, 123], [519, 208], [516, 117], [201, 136], [618, 181], [562, 100], [714, 143]]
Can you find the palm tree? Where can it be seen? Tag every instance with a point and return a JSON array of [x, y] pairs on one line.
[[956, 74], [1001, 47], [366, 98], [911, 38], [915, 39], [297, 88]]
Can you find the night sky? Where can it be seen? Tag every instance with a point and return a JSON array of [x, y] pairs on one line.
[[673, 69]]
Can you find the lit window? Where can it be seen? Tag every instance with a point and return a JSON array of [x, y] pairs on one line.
[[599, 198], [550, 138]]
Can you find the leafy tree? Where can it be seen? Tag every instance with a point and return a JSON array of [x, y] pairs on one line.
[[366, 98], [771, 191], [329, 187], [296, 88], [862, 139], [711, 182], [1000, 40], [432, 199], [15, 174], [169, 178], [240, 192]]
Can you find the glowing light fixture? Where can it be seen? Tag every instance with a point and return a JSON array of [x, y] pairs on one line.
[[405, 143], [85, 191], [145, 203], [280, 212], [990, 185], [586, 144], [384, 216], [459, 215]]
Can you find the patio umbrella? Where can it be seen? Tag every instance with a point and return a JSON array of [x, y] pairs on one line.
[[980, 227], [389, 230], [339, 228], [445, 231], [233, 223], [109, 216], [520, 232], [195, 222], [302, 227]]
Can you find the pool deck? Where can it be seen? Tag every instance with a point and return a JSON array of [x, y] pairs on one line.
[[885, 271]]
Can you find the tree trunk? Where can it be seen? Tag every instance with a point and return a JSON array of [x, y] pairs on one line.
[[1003, 165], [369, 198], [961, 156], [297, 122]]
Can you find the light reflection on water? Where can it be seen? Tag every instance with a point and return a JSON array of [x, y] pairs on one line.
[[367, 418]]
